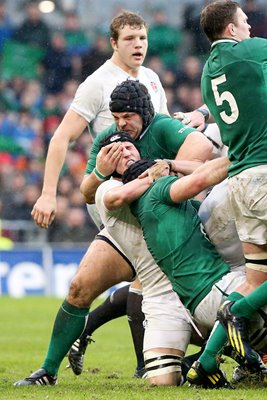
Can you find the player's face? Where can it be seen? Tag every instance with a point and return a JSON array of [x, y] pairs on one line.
[[130, 48], [241, 26], [129, 122], [129, 156]]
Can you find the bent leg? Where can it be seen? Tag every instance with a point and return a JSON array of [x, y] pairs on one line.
[[100, 268]]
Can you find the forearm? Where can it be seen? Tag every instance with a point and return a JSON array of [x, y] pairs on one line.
[[89, 186], [54, 162], [118, 197], [208, 174], [184, 167], [70, 128], [214, 171]]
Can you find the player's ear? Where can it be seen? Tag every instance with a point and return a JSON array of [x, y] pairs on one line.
[[113, 44]]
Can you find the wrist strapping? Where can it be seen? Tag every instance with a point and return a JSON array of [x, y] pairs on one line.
[[99, 176], [204, 112]]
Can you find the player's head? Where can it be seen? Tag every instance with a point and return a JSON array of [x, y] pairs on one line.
[[136, 169], [224, 19], [129, 154], [128, 39], [118, 136], [128, 99], [126, 17]]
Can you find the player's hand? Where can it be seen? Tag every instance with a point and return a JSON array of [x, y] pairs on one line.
[[108, 157], [161, 168], [194, 119], [44, 211]]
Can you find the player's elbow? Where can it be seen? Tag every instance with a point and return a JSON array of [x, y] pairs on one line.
[[114, 201], [88, 195]]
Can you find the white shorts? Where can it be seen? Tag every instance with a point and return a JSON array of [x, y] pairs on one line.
[[248, 197], [206, 311], [166, 324], [216, 215]]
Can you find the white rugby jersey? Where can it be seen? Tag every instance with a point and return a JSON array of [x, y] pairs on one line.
[[92, 97], [122, 228]]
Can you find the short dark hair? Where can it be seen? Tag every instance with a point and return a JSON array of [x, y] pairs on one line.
[[216, 16]]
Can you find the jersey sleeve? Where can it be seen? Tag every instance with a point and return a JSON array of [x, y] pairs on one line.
[[88, 99], [162, 189], [163, 109], [172, 134], [99, 199]]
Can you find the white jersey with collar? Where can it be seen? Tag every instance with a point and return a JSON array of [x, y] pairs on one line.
[[92, 97], [126, 231]]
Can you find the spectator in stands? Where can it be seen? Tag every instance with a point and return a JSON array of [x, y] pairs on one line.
[[6, 25], [97, 54], [199, 46], [256, 18], [190, 71], [33, 30], [57, 64], [77, 43], [164, 39]]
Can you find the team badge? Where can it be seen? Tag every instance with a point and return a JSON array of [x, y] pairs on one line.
[[154, 86]]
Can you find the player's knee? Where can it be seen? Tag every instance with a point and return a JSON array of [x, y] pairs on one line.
[[163, 369], [257, 261]]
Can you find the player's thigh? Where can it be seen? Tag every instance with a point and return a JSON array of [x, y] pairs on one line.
[[100, 268], [248, 198], [206, 311], [165, 323]]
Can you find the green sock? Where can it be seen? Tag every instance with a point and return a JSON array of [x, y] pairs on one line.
[[68, 326], [248, 305], [217, 340]]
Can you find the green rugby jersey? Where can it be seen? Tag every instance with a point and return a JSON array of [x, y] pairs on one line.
[[177, 241], [234, 87], [162, 139]]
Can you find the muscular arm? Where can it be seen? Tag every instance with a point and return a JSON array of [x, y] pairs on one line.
[[196, 147], [69, 129], [106, 162], [208, 174], [120, 196]]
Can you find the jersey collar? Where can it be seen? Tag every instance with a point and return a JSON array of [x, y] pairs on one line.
[[224, 41], [145, 131]]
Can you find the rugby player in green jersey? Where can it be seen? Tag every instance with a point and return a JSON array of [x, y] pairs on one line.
[[234, 89]]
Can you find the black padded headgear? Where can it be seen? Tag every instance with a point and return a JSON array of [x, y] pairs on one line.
[[132, 96], [136, 169], [118, 136]]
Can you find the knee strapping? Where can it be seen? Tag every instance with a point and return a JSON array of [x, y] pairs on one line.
[[160, 364], [257, 261]]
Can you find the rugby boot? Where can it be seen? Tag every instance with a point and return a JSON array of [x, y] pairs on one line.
[[237, 331], [197, 376], [76, 354], [39, 377]]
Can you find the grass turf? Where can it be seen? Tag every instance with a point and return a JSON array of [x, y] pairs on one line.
[[109, 364]]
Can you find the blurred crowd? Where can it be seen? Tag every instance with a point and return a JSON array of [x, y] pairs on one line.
[[41, 69]]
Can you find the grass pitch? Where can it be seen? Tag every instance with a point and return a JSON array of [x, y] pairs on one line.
[[109, 365]]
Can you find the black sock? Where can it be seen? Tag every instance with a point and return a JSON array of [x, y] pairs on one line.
[[113, 307], [136, 319]]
